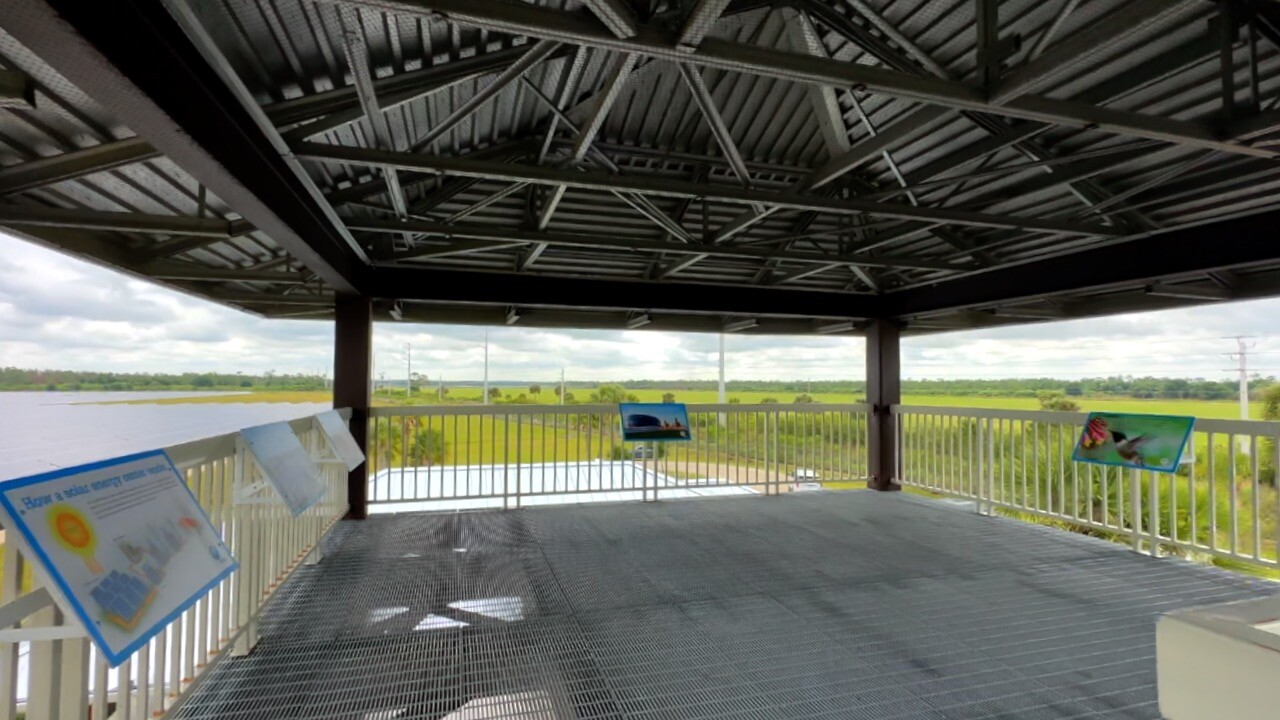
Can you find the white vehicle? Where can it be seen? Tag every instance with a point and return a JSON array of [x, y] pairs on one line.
[[804, 480]]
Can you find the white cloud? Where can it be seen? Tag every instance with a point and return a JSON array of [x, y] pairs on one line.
[[58, 312]]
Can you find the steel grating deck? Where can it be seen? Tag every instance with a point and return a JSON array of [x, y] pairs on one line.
[[834, 605]]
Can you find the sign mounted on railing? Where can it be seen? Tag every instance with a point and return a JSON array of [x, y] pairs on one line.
[[340, 439], [654, 422], [124, 542], [1143, 442], [285, 464]]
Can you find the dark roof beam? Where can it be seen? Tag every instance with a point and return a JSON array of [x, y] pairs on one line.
[[358, 61], [463, 247], [946, 236], [498, 234], [826, 106], [539, 52], [802, 274], [200, 273], [337, 107], [901, 40], [602, 103], [679, 188], [35, 215], [616, 15], [737, 57], [1185, 291], [73, 164], [211, 129], [638, 202], [699, 22], [1046, 36], [311, 115], [1088, 192], [17, 90], [1090, 44], [995, 172], [532, 291], [1140, 261]]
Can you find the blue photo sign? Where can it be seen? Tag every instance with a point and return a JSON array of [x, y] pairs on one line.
[[654, 422], [124, 543]]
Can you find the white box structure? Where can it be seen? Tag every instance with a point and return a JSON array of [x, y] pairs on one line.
[[1220, 661]]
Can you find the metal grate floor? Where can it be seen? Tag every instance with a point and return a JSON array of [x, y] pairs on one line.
[[834, 605]]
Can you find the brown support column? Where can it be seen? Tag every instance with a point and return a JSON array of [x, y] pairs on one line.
[[884, 389], [352, 370]]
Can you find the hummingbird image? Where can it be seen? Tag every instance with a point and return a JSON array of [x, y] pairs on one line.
[[1128, 447]]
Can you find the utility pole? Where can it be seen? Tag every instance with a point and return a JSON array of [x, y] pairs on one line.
[[721, 400], [1242, 355], [562, 390], [485, 398], [440, 389], [408, 369]]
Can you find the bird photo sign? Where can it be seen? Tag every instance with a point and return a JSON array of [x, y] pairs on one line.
[[1142, 442]]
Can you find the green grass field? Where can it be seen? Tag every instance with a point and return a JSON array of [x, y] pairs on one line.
[[1197, 408]]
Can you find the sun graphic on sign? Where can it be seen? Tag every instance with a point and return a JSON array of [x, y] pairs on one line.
[[74, 533]]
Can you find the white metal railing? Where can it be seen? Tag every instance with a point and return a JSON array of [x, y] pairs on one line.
[[510, 455], [1222, 501], [50, 671]]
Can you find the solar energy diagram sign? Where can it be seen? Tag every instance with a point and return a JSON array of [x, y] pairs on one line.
[[124, 543], [654, 422], [1143, 442]]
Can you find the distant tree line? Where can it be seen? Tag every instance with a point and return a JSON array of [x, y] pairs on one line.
[[1115, 386], [1126, 386], [75, 380]]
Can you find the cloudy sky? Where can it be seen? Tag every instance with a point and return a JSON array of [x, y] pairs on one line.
[[57, 312]]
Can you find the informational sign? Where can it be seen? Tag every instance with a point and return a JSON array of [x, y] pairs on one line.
[[124, 542], [286, 465], [654, 422], [340, 439], [1145, 442]]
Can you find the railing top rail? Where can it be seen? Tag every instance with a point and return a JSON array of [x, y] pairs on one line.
[[990, 413], [598, 409], [194, 452], [1203, 425]]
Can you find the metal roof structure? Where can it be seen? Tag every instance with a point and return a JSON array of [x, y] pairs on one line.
[[790, 166]]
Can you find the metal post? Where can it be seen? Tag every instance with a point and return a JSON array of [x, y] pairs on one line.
[[1135, 510], [884, 390], [352, 364]]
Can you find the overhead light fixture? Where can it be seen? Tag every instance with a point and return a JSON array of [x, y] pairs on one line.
[[1189, 292], [513, 317], [740, 325], [397, 311], [841, 327], [1030, 313], [638, 321]]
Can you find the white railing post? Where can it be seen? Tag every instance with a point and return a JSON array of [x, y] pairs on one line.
[[1153, 513], [74, 677], [980, 482], [993, 427], [1135, 511]]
